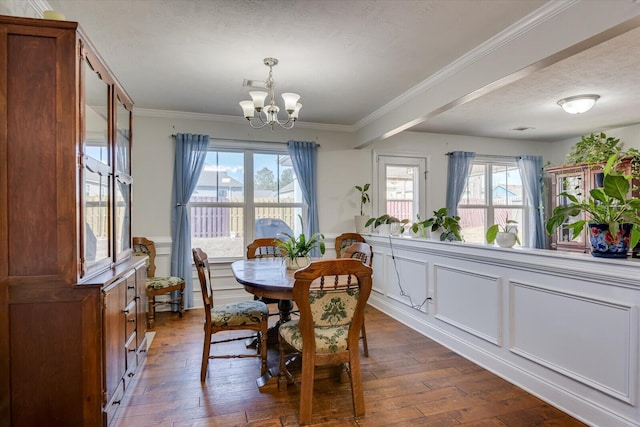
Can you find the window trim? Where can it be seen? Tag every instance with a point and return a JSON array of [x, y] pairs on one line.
[[248, 149]]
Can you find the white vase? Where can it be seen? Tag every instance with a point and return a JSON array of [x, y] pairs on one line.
[[505, 240], [383, 229], [395, 228], [435, 235], [360, 221], [297, 263]]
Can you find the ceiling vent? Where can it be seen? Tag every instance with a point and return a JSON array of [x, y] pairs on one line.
[[523, 128]]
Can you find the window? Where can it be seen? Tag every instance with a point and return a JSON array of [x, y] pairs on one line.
[[242, 195], [401, 186], [479, 208]]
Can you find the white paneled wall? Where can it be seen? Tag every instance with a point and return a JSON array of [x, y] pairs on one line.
[[563, 326]]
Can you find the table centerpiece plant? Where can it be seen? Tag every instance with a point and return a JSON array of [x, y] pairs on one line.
[[612, 216], [296, 249]]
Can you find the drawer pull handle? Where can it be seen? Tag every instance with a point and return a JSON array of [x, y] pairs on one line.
[[116, 402], [131, 374], [132, 320], [132, 350], [131, 287]]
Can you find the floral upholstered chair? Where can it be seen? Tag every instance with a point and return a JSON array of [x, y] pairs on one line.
[[157, 286], [345, 240], [244, 315], [331, 296], [364, 253]]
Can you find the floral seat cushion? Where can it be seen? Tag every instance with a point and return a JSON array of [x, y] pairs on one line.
[[332, 313], [157, 283], [238, 314], [328, 340]]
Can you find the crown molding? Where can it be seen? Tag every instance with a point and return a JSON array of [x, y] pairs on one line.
[[39, 6], [168, 114], [526, 24]]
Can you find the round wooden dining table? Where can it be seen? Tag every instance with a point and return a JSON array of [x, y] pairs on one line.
[[269, 278]]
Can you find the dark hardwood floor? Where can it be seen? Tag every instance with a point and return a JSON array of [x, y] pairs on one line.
[[408, 380]]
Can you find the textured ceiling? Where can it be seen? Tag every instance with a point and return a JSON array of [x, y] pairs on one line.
[[347, 59]]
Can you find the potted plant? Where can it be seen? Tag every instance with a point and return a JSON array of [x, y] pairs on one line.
[[595, 148], [505, 235], [383, 224], [612, 216], [362, 219], [296, 249], [441, 226]]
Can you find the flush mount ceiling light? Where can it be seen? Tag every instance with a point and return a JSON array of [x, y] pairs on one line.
[[578, 104], [269, 115]]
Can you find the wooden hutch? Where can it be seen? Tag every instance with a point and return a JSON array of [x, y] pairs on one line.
[[72, 297], [579, 179]]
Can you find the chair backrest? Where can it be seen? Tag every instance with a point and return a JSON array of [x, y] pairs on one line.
[[201, 260], [144, 246], [263, 248], [361, 251], [345, 240], [330, 294]]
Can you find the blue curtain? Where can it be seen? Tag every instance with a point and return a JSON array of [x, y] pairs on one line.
[[191, 151], [531, 173], [459, 167], [304, 157]]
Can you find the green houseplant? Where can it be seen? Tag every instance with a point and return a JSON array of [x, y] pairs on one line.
[[383, 223], [612, 216], [361, 220], [505, 235], [595, 148], [447, 225], [296, 249]]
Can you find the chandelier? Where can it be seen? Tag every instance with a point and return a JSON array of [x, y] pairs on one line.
[[268, 115]]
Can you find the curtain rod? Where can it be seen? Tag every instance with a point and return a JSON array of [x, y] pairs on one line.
[[497, 156], [243, 140]]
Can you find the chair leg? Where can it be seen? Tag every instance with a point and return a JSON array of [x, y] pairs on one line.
[[151, 315], [205, 354], [263, 344], [306, 388], [365, 346], [356, 383], [182, 301]]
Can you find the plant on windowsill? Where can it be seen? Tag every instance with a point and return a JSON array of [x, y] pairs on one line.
[[614, 224], [441, 226], [384, 223], [296, 249], [505, 235], [361, 220]]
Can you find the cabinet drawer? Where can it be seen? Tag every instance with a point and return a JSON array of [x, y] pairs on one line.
[[132, 359], [130, 319], [109, 411], [131, 287]]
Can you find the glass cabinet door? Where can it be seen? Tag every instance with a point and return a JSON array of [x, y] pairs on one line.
[[573, 184], [96, 174], [122, 213]]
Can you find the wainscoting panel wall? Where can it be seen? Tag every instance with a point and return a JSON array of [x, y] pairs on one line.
[[564, 327], [578, 336], [469, 301]]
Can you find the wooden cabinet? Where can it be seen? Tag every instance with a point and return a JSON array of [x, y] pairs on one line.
[[579, 180], [71, 335]]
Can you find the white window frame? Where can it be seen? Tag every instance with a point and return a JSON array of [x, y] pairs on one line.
[[489, 207], [249, 206], [383, 159]]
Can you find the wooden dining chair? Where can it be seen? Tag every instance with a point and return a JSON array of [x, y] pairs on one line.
[[157, 286], [244, 315], [345, 240], [363, 252], [331, 296], [265, 247]]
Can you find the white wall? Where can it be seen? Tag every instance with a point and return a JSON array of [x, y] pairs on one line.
[[629, 138], [340, 168], [435, 147]]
